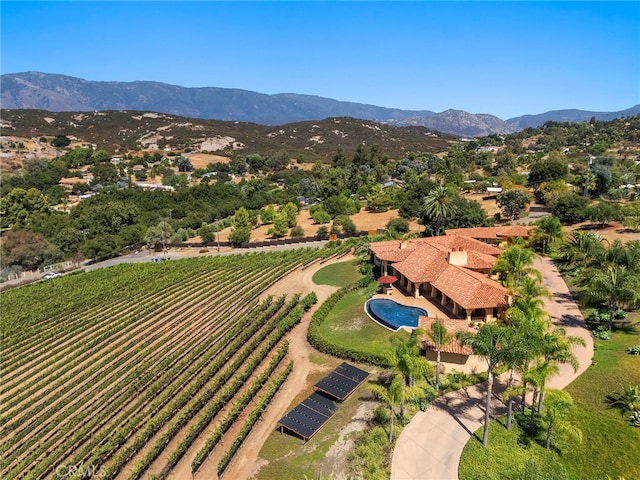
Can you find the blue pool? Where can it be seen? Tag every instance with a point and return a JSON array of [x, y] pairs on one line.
[[393, 315]]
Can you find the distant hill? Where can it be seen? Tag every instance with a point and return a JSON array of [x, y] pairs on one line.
[[526, 121], [119, 131], [60, 93]]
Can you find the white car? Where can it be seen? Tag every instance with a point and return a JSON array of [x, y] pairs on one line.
[[52, 275]]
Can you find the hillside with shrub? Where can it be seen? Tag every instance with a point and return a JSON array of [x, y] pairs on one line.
[[74, 198]]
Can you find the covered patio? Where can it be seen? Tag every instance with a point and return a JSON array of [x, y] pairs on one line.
[[455, 278]]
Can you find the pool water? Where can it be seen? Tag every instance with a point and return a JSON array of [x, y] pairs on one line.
[[392, 315]]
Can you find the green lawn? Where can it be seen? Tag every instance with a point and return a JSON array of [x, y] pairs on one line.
[[348, 325], [338, 274], [610, 446]]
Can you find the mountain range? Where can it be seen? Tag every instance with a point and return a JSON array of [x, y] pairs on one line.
[[60, 93]]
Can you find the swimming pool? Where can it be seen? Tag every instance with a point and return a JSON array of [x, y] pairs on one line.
[[392, 315]]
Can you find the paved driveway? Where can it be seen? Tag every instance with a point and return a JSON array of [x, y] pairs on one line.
[[429, 448]]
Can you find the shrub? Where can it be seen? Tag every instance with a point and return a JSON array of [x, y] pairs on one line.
[[399, 225], [323, 232], [297, 231], [635, 350], [309, 300], [346, 223], [602, 333], [627, 399], [635, 419]]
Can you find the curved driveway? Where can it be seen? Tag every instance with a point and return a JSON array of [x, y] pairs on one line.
[[429, 448]]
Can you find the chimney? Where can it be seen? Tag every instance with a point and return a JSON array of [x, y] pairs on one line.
[[403, 244], [458, 257]]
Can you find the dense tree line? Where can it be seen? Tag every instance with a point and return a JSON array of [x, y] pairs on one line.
[[555, 162]]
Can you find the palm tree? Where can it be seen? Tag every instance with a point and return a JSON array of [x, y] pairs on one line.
[[615, 286], [514, 264], [557, 348], [490, 343], [548, 230], [390, 397], [537, 376], [440, 337], [409, 364], [557, 406], [531, 288], [440, 204], [518, 353], [633, 255], [581, 247]]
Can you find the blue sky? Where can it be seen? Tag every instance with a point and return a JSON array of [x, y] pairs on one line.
[[503, 58]]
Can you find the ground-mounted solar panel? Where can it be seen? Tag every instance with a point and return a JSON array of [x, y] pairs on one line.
[[351, 372], [313, 412], [342, 382], [334, 390], [320, 404], [312, 415], [309, 416], [295, 426]]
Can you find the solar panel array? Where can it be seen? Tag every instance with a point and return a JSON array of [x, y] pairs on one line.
[[307, 418], [314, 411]]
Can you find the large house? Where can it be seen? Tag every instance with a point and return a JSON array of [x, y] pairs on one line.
[[453, 269]]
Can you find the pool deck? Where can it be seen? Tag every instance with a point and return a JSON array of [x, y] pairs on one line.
[[474, 363]]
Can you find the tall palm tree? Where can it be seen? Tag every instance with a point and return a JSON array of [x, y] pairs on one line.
[[518, 352], [557, 348], [532, 288], [409, 364], [390, 396], [614, 286], [537, 376], [491, 343], [440, 205], [440, 337]]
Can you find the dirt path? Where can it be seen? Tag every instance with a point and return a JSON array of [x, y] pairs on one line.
[[246, 464], [431, 445]]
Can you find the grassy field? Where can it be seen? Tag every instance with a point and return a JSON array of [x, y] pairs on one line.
[[348, 325], [610, 446], [337, 275]]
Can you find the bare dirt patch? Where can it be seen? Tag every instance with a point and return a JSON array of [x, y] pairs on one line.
[[610, 231], [201, 160]]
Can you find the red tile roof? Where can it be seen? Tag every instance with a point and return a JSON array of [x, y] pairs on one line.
[[470, 289], [426, 260], [491, 232], [452, 326]]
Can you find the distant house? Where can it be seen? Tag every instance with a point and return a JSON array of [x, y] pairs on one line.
[[391, 183], [72, 181], [454, 269], [69, 182], [154, 186]]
